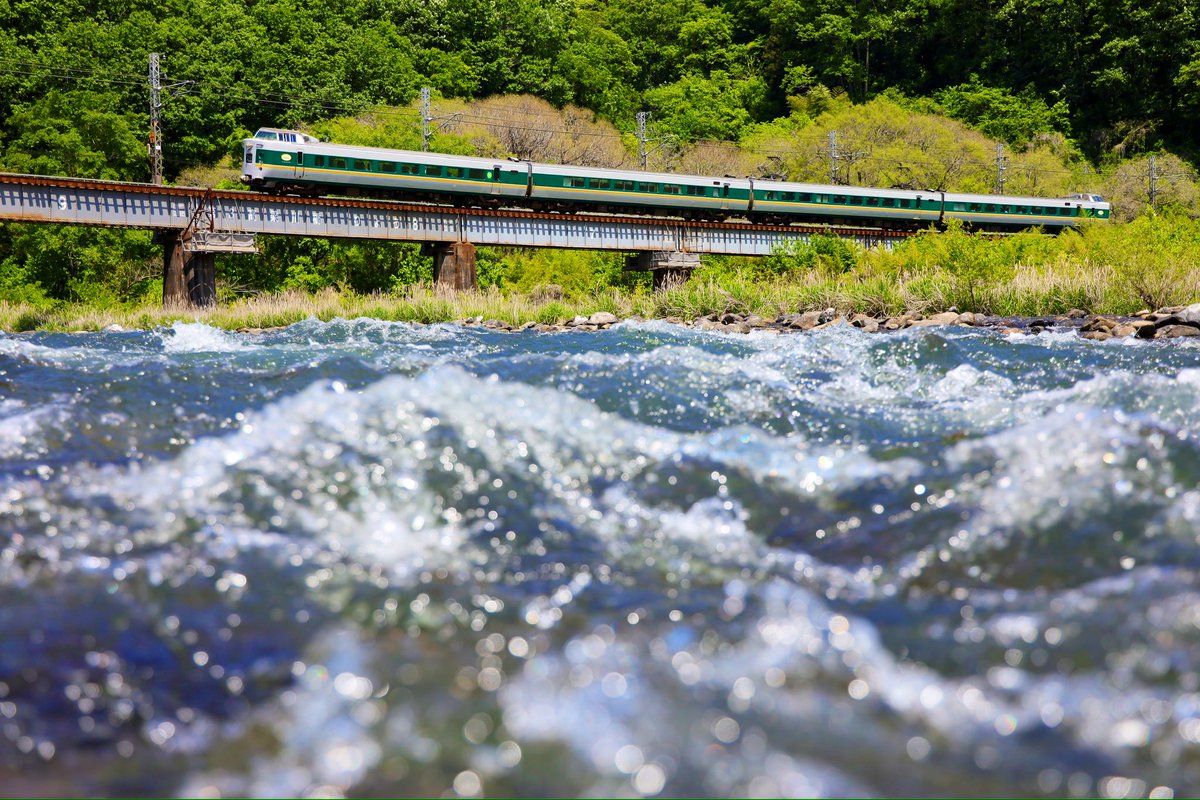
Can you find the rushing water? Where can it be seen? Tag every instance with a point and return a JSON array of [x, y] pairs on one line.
[[370, 558]]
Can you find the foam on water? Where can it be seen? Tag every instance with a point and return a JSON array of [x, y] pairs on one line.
[[374, 558]]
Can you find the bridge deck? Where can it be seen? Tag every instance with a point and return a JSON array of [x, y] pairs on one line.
[[29, 198]]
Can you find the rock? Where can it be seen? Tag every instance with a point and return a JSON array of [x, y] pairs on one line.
[[1097, 336], [1189, 314], [737, 327], [602, 318], [527, 326], [113, 328], [497, 324], [542, 327], [944, 318], [868, 324], [1076, 313], [803, 322], [577, 321], [1098, 324], [833, 323], [897, 323], [966, 318], [709, 325], [755, 321], [730, 319], [1175, 331], [674, 320], [1041, 323], [1169, 310], [1145, 312]]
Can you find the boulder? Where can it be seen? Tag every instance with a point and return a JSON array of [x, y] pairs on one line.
[[944, 318], [868, 324], [1097, 336], [602, 318], [1098, 324], [755, 321], [1175, 331], [966, 318], [1189, 314]]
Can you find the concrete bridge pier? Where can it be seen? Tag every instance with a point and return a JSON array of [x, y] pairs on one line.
[[454, 266], [670, 268], [189, 277]]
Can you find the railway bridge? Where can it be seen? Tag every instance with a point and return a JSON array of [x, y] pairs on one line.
[[195, 224]]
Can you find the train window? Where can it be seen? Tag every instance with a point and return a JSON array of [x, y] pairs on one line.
[[626, 186], [337, 163], [768, 195], [454, 172], [906, 203], [387, 166], [856, 201], [600, 183], [803, 197], [695, 190], [889, 202], [576, 182], [475, 174], [408, 169], [287, 137], [840, 199], [433, 169], [362, 165], [647, 187], [670, 189], [318, 161]]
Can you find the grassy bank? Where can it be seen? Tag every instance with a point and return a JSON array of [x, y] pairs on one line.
[[1105, 269]]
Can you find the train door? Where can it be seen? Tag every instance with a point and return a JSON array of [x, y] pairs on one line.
[[298, 169]]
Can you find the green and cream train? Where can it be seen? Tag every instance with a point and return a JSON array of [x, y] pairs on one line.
[[291, 162]]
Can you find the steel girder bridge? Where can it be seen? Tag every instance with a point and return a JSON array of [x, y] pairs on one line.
[[195, 224]]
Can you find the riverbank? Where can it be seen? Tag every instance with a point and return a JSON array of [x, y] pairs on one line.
[[710, 307], [1114, 271]]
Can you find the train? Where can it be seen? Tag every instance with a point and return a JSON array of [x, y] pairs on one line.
[[282, 161]]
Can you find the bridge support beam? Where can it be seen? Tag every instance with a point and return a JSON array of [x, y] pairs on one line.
[[189, 278], [670, 268], [454, 266]]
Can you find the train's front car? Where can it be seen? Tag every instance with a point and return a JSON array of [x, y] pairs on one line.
[[273, 158]]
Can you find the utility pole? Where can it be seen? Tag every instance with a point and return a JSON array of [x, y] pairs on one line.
[[643, 153], [1001, 168], [833, 157], [426, 117], [156, 106], [156, 154], [1153, 181]]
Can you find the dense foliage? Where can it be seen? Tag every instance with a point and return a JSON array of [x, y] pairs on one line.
[[1069, 87]]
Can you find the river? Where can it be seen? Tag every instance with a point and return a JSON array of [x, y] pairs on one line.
[[365, 558]]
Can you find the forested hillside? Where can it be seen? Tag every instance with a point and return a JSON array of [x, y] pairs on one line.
[[919, 92]]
